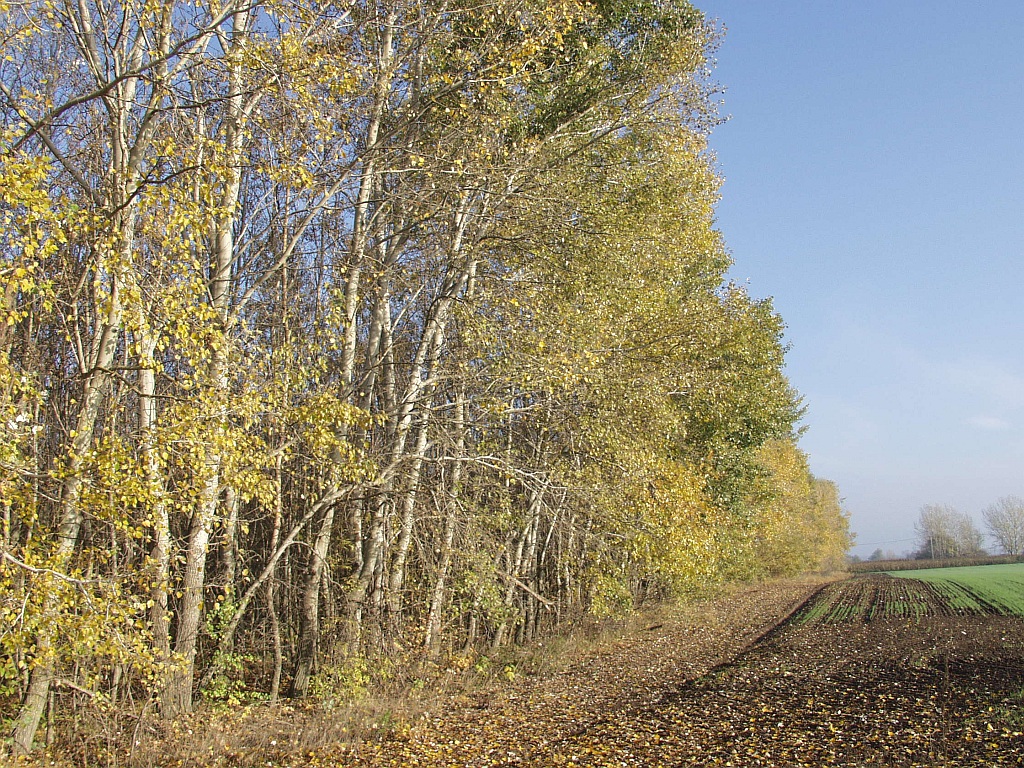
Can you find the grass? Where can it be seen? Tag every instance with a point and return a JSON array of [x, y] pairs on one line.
[[976, 588]]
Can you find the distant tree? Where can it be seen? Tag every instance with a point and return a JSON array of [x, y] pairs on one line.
[[1005, 522], [934, 531], [945, 532], [883, 554], [969, 539]]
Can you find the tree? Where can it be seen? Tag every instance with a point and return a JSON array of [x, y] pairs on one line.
[[944, 532], [135, 275], [1005, 522], [361, 325], [796, 522]]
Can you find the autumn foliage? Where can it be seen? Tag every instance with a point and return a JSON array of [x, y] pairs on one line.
[[331, 332]]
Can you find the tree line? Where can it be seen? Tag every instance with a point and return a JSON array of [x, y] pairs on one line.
[[945, 532], [333, 330]]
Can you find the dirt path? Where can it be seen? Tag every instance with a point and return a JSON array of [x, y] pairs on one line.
[[555, 719], [718, 685]]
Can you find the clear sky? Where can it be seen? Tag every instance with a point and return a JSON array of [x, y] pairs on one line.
[[874, 186]]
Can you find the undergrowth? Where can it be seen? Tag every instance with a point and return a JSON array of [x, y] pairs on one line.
[[355, 701]]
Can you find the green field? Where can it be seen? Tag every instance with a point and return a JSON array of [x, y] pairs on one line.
[[982, 588]]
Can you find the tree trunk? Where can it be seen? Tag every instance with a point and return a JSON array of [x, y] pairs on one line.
[[515, 563], [327, 500], [103, 351], [396, 581], [309, 618], [432, 636], [229, 554], [275, 626], [437, 595], [220, 280], [160, 554]]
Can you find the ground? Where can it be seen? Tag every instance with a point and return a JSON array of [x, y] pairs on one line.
[[869, 671], [726, 684]]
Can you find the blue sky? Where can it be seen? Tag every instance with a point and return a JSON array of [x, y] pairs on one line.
[[874, 186]]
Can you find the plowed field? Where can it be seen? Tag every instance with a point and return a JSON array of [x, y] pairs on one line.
[[873, 671]]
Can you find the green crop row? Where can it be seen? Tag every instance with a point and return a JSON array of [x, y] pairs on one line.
[[976, 589], [917, 593]]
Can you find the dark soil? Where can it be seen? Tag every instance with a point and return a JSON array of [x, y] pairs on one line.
[[720, 686]]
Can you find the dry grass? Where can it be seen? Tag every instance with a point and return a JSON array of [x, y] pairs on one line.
[[389, 701]]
